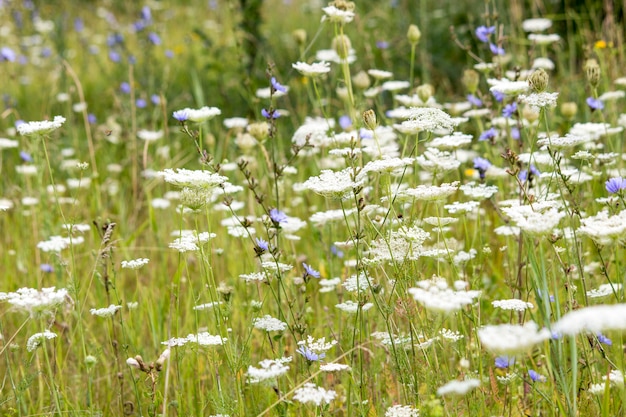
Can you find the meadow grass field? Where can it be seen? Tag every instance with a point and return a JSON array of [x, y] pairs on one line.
[[298, 208]]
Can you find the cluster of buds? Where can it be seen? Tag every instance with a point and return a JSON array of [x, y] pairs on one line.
[[138, 363]]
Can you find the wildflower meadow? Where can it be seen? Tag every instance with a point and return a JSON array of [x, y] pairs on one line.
[[302, 208]]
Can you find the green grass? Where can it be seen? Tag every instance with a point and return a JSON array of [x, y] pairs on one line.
[[397, 345]]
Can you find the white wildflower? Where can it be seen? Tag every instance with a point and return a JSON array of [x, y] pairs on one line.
[[310, 393], [269, 324], [435, 295], [381, 74], [336, 15], [605, 290], [352, 307], [34, 301], [38, 338], [507, 87], [401, 411], [536, 24], [395, 85], [509, 339], [457, 387], [426, 119], [40, 128], [478, 191], [594, 319], [542, 39], [538, 101], [269, 370], [450, 142], [312, 70], [105, 311], [512, 304], [334, 367], [202, 114], [150, 135], [535, 222], [604, 228], [135, 263], [192, 178], [331, 184]]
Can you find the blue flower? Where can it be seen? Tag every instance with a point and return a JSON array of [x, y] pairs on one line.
[[535, 376], [495, 49], [615, 184], [272, 114], [345, 122], [382, 44], [594, 103], [309, 355], [154, 38], [114, 56], [482, 165], [309, 271], [488, 134], [483, 32], [277, 86], [277, 216], [181, 115], [498, 96], [79, 25], [25, 156], [523, 176], [125, 87], [604, 340], [141, 103], [515, 133], [503, 362], [47, 268], [509, 110], [261, 244], [155, 99], [474, 100], [92, 119], [336, 251]]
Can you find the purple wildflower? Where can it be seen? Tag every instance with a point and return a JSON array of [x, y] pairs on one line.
[[271, 114], [524, 175], [535, 376], [278, 86], [25, 156], [115, 56], [261, 244], [141, 103], [604, 340], [615, 184], [345, 122], [509, 110], [488, 134], [482, 165], [498, 96], [181, 115], [7, 54], [47, 268], [155, 99], [92, 119], [309, 355], [495, 49], [475, 101], [277, 216], [382, 44], [503, 362], [515, 133], [594, 103], [79, 25], [154, 38], [336, 251], [309, 271], [483, 32]]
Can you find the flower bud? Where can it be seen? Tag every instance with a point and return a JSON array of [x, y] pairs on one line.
[[260, 131], [470, 80], [299, 35], [538, 80], [361, 80], [414, 35], [90, 361], [369, 119], [425, 92], [342, 45], [569, 110], [133, 363], [592, 71]]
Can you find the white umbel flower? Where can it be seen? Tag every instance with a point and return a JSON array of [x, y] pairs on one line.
[[456, 387], [401, 411], [269, 369], [269, 324], [310, 393], [202, 114], [40, 128], [312, 70], [509, 339], [38, 338], [512, 304], [595, 319], [192, 178], [106, 311], [336, 15], [35, 301], [135, 263], [334, 184], [427, 119]]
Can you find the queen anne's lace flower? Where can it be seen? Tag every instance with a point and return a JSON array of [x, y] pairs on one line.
[[106, 311], [332, 184], [595, 319], [34, 301], [509, 339], [312, 70], [434, 294], [310, 393], [38, 338], [192, 178], [458, 387], [40, 128], [269, 369], [269, 324]]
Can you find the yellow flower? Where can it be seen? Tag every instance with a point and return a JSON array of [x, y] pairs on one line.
[[601, 44]]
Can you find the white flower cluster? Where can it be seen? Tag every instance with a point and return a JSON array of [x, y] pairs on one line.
[[317, 345], [478, 191], [429, 192], [509, 339], [40, 128], [426, 119], [189, 242], [604, 228], [34, 301], [182, 177], [512, 304], [207, 306], [202, 339], [312, 70], [310, 393], [269, 370], [58, 243], [106, 311], [615, 378], [135, 263], [605, 290], [435, 295], [535, 222], [334, 367], [538, 101], [457, 387], [269, 324], [594, 319], [401, 411], [351, 307], [38, 338], [202, 114], [334, 184]]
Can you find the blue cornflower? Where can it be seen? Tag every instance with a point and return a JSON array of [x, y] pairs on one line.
[[261, 244], [154, 38], [482, 165], [155, 99], [495, 49], [309, 355], [272, 114], [146, 14], [7, 54], [92, 119], [535, 376], [79, 25], [615, 184], [115, 56], [483, 32], [604, 340], [309, 271], [277, 216], [169, 53], [382, 44], [475, 101], [141, 103], [488, 134], [25, 156], [503, 362], [509, 110], [345, 122], [594, 103], [366, 134], [523, 176], [278, 86], [336, 251], [498, 96], [515, 133], [47, 268], [181, 115]]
